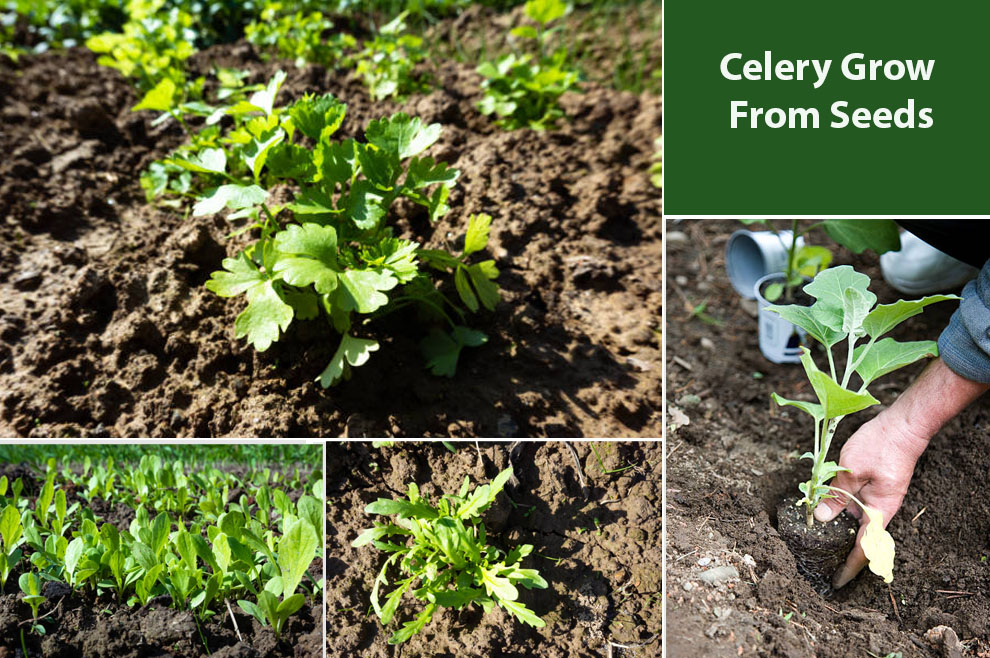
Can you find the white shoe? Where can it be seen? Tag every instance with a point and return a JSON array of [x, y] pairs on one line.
[[919, 268]]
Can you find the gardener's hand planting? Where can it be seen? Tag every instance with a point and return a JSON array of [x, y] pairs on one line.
[[883, 452]]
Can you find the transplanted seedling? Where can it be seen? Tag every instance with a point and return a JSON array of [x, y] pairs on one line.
[[844, 310], [448, 562]]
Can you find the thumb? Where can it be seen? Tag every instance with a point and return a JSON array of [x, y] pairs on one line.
[[829, 508]]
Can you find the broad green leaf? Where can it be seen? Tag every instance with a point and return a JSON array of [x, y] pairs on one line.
[[424, 171], [143, 555], [364, 205], [403, 508], [544, 11], [814, 410], [256, 153], [858, 235], [351, 352], [835, 400], [477, 234], [807, 319], [208, 161], [812, 259], [161, 98], [230, 196], [402, 135], [878, 545], [528, 578], [308, 255], [265, 99], [73, 553], [381, 167], [887, 316], [442, 350], [287, 160], [887, 355], [370, 535], [296, 551], [481, 277], [363, 290], [829, 289], [828, 471], [290, 605]]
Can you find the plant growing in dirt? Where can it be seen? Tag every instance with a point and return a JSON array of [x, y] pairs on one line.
[[845, 310], [523, 90], [448, 561], [807, 261], [298, 35], [336, 256], [12, 536], [386, 63]]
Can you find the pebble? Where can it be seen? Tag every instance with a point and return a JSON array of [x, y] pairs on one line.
[[707, 343], [748, 560], [704, 562], [688, 587], [719, 575], [681, 280], [27, 280], [677, 237]]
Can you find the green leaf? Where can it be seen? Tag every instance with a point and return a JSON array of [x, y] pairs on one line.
[[522, 613], [497, 586], [464, 289], [73, 553], [858, 235], [814, 410], [161, 98], [481, 275], [442, 350], [887, 316], [887, 355], [829, 289], [477, 234], [380, 166], [835, 400], [402, 135], [855, 307], [364, 205], [230, 196], [544, 11], [412, 627], [256, 153], [392, 602], [312, 115], [351, 352], [308, 255], [425, 171], [404, 508], [143, 555], [456, 598], [265, 99], [296, 551], [363, 290], [267, 312], [806, 318], [208, 161], [828, 471]]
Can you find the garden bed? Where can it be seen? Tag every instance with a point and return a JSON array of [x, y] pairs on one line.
[[80, 622], [106, 328], [737, 458], [600, 553]]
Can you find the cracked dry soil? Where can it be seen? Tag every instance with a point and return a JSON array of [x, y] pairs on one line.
[[606, 586]]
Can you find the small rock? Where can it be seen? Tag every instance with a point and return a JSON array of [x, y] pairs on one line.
[[689, 400], [688, 586], [707, 343], [677, 237], [639, 364], [681, 280], [719, 575], [947, 639], [748, 560], [704, 562], [177, 420], [750, 307], [27, 280], [81, 153]]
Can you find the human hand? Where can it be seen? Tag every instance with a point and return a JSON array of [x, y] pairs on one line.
[[881, 456]]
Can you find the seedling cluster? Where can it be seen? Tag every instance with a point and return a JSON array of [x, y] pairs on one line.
[[846, 311], [189, 541], [445, 559]]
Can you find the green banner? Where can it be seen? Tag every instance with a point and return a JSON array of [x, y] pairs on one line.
[[841, 108]]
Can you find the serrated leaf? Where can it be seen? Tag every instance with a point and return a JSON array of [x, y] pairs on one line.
[[364, 205], [308, 255], [477, 234], [351, 352], [544, 11], [412, 627], [887, 355], [230, 196], [887, 316], [498, 586], [402, 135], [426, 171], [266, 314], [829, 289], [312, 115], [381, 167], [364, 290]]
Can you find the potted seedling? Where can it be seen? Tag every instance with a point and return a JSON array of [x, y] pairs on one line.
[[769, 266], [844, 311]]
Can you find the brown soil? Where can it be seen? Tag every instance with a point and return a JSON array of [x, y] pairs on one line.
[[606, 586], [734, 462], [79, 623], [106, 328]]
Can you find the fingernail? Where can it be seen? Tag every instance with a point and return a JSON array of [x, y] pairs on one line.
[[824, 513]]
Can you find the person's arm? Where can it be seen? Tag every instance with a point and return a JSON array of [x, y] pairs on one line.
[[882, 453]]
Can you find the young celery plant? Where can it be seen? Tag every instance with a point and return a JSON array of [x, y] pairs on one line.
[[844, 311]]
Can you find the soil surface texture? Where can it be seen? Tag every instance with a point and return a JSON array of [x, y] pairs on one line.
[[106, 328], [598, 548], [732, 584], [79, 623]]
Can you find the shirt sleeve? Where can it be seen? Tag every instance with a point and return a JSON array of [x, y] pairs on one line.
[[965, 344]]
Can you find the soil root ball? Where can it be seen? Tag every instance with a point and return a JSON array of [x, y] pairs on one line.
[[820, 549]]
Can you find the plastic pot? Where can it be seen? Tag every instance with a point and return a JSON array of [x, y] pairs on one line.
[[751, 255], [780, 341]]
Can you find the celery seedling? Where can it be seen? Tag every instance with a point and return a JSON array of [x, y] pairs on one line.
[[449, 562], [844, 310]]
